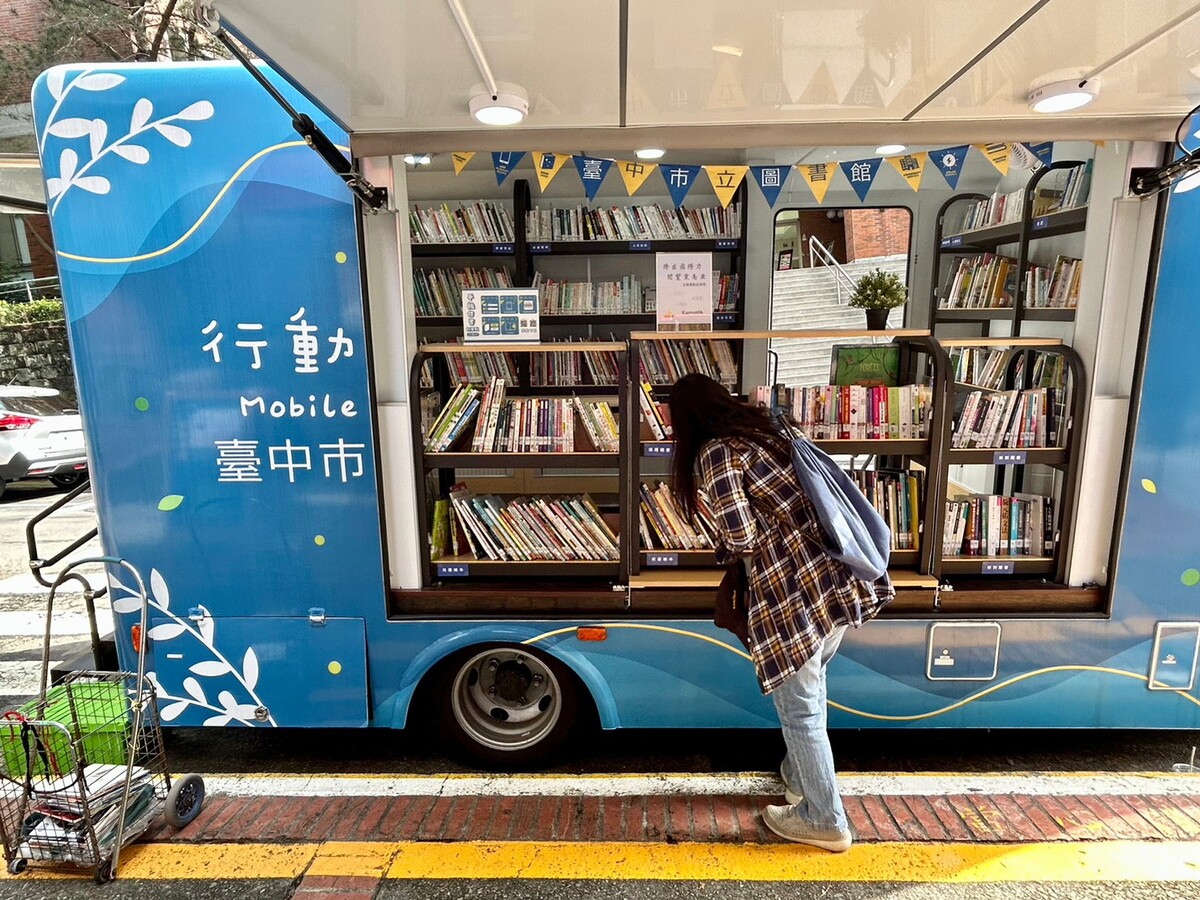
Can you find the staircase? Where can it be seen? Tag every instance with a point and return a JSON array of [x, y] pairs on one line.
[[807, 298]]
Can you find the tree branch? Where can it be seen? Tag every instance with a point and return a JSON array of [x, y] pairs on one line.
[[163, 23]]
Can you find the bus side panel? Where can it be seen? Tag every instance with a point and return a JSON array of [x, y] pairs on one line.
[[211, 277]]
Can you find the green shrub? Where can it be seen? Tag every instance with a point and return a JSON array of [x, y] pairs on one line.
[[879, 290], [32, 311]]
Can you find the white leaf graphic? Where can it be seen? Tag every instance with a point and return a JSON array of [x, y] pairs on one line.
[[93, 184], [152, 677], [133, 153], [70, 128], [67, 163], [199, 110], [158, 590], [245, 712], [250, 668], [192, 686], [217, 720], [171, 712], [207, 626], [180, 137], [142, 111], [165, 632], [96, 134], [101, 81], [54, 83], [127, 605], [210, 668], [54, 187], [1187, 184], [228, 701]]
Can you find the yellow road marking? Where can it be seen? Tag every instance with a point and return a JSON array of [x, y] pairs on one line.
[[900, 862]]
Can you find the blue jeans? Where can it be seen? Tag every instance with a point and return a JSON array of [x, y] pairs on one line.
[[808, 768]]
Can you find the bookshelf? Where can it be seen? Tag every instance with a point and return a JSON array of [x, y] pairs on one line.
[[898, 454], [1005, 294]]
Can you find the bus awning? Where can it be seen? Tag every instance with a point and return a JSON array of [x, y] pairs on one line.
[[21, 191], [701, 73]]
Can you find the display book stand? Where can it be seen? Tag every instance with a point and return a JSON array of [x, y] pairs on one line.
[[1030, 228]]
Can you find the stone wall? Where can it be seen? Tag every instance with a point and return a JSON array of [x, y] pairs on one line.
[[37, 354]]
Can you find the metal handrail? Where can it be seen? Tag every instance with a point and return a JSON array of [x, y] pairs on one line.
[[817, 250], [29, 289]]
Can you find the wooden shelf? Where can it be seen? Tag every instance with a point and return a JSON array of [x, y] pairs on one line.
[[710, 578], [576, 460], [482, 248], [1001, 342], [973, 314], [634, 246], [976, 565], [683, 559], [516, 568], [1048, 314], [805, 334], [591, 347], [880, 447], [986, 456]]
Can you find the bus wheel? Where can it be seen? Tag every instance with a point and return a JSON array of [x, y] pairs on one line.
[[507, 707]]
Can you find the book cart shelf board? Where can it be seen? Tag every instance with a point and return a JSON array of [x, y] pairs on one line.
[[983, 240]]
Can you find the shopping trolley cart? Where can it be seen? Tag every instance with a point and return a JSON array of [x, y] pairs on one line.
[[83, 771]]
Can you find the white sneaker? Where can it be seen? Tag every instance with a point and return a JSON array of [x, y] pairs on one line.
[[784, 822], [792, 797]]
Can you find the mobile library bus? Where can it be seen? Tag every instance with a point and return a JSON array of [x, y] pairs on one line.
[[349, 517]]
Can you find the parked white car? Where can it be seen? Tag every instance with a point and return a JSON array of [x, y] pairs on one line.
[[41, 436]]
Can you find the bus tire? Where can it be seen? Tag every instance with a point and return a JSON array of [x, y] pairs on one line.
[[505, 707]]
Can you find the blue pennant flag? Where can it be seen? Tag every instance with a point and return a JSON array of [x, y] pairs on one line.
[[770, 180], [591, 173], [505, 162], [861, 174], [679, 180], [950, 162], [1043, 151]]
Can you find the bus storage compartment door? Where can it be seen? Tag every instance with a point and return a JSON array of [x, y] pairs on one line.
[[286, 672], [963, 651], [1173, 659]]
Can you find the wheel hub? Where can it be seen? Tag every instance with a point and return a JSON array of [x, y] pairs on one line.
[[506, 699]]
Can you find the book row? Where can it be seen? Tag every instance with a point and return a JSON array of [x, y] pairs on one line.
[[665, 362], [438, 292], [482, 221], [995, 525], [897, 497], [998, 209], [1028, 418], [1056, 287], [988, 368], [568, 367], [855, 412], [981, 282], [590, 298], [632, 223], [524, 528], [663, 525]]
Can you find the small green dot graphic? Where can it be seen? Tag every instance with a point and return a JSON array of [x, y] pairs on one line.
[[340, 256], [319, 540], [142, 404], [1190, 577], [170, 502]]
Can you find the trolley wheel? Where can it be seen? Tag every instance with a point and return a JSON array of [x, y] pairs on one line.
[[184, 801], [506, 707], [104, 872], [17, 866]]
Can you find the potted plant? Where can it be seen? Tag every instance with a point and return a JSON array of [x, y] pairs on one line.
[[878, 292]]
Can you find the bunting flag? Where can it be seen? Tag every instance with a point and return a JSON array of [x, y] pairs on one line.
[[726, 180], [1024, 158], [547, 165], [950, 162], [726, 91], [998, 155], [634, 173], [861, 174], [505, 162], [770, 180], [461, 158], [818, 176], [911, 166], [679, 181], [591, 173], [1042, 152]]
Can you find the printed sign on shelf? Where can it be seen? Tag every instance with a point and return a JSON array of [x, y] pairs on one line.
[[684, 291], [497, 316]]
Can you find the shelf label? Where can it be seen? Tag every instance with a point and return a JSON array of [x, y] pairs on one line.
[[1043, 222], [659, 450], [955, 241], [453, 570], [1009, 458], [727, 243], [503, 248], [662, 559], [539, 248], [640, 246], [724, 318], [1005, 567]]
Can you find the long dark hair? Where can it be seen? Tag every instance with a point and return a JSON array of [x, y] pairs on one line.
[[702, 410]]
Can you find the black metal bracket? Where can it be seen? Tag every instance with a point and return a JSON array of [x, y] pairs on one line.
[[373, 197], [1143, 181]]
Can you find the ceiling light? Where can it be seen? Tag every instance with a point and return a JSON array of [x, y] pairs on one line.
[[727, 49], [508, 105], [651, 153], [418, 159], [889, 148], [1063, 96]]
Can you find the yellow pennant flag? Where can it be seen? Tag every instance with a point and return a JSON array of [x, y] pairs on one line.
[[726, 180], [634, 174], [818, 176], [911, 166], [999, 155], [461, 158], [547, 166]]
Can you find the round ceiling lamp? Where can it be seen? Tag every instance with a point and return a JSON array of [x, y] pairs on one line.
[[508, 105], [651, 153], [1063, 96], [886, 149]]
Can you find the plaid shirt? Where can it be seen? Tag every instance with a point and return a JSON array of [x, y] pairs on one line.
[[798, 593]]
